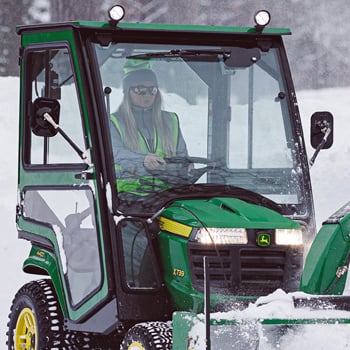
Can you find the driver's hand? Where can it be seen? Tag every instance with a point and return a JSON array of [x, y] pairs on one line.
[[152, 161]]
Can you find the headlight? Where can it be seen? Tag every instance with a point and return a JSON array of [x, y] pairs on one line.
[[221, 236], [289, 237]]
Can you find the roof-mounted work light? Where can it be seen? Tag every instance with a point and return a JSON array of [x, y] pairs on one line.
[[262, 19], [116, 13]]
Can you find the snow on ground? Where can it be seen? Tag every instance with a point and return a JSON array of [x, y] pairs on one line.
[[331, 186], [12, 251]]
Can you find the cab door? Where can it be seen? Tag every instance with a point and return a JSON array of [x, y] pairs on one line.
[[59, 205]]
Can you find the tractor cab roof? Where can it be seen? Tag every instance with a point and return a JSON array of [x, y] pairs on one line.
[[181, 28]]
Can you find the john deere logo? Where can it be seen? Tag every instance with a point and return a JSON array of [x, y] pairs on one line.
[[263, 240]]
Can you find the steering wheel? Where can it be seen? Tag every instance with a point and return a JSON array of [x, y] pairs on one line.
[[179, 170]]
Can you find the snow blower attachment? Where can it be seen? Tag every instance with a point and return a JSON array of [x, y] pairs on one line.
[[327, 264], [130, 206]]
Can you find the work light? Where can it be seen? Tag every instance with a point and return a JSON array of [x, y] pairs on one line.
[[262, 19], [116, 13]]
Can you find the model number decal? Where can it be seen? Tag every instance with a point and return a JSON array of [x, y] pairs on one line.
[[40, 253], [179, 273]]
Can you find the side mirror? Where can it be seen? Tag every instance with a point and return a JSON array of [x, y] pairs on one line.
[[40, 126], [321, 132], [321, 127]]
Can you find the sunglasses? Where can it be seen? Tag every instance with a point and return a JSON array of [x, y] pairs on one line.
[[144, 90]]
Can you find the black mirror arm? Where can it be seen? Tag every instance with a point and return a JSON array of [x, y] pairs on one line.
[[50, 120], [327, 131]]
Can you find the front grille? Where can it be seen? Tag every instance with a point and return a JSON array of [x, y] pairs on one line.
[[246, 270]]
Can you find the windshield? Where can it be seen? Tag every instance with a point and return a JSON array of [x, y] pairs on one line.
[[199, 115]]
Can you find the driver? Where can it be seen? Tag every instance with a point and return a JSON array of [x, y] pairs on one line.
[[143, 134]]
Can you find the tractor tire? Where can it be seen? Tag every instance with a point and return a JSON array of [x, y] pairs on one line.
[[148, 336], [36, 321]]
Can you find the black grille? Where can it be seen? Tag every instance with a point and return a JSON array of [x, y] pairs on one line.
[[246, 270]]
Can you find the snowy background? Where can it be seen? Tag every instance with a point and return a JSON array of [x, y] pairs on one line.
[[330, 178]]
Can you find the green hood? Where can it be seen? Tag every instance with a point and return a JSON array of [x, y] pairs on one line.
[[225, 212]]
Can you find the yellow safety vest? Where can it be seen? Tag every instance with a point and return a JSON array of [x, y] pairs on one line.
[[144, 185]]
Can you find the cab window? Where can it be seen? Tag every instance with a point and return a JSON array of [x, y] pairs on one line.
[[49, 74]]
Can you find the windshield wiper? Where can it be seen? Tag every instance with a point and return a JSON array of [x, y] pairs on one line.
[[238, 57], [202, 55]]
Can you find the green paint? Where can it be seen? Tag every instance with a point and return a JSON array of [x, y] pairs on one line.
[[226, 212], [328, 253]]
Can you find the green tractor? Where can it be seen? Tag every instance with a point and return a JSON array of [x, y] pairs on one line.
[[223, 213]]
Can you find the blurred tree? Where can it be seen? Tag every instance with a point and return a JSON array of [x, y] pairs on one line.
[[318, 50], [10, 13], [14, 13], [68, 10]]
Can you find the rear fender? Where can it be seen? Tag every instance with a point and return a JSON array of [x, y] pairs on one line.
[[43, 262]]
